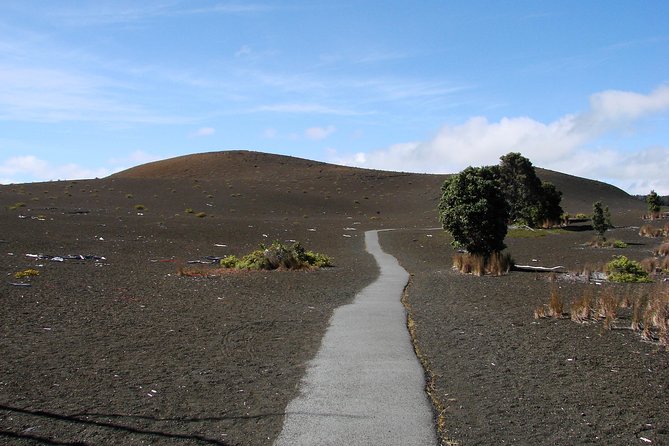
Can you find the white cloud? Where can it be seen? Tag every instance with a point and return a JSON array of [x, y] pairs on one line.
[[204, 131], [29, 168], [319, 133], [560, 145]]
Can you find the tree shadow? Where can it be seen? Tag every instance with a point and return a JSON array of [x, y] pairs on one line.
[[79, 419]]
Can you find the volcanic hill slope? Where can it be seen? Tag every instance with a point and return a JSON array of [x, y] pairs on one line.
[[127, 350]]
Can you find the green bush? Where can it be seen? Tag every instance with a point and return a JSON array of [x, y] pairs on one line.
[[229, 261], [622, 269], [278, 256], [619, 244]]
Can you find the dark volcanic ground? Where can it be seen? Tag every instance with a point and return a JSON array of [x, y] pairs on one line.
[[125, 350]]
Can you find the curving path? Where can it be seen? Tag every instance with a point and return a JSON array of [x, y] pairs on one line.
[[365, 386]]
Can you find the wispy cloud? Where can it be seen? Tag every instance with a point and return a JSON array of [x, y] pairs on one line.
[[319, 133], [203, 131], [307, 108], [561, 144]]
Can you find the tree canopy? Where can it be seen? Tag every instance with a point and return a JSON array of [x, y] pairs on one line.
[[654, 202], [531, 201], [474, 210]]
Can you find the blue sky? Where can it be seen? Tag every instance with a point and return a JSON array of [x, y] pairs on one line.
[[91, 87]]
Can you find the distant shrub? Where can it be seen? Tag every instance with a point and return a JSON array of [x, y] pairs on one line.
[[129, 196], [16, 206], [26, 273], [663, 250], [189, 211], [619, 244], [650, 231], [278, 256], [201, 214], [140, 207], [622, 269]]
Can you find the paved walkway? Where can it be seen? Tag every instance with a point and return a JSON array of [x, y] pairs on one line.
[[365, 385]]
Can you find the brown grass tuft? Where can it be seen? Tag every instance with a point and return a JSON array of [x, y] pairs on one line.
[[607, 307], [497, 264], [582, 308], [556, 304], [649, 265], [650, 231], [663, 250]]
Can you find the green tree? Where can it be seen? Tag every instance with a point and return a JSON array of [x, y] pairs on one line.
[[654, 202], [530, 200], [474, 210], [601, 219]]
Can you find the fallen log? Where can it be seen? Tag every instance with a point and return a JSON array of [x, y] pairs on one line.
[[541, 269]]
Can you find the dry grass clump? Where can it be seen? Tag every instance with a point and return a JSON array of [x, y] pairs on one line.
[[648, 315], [607, 307], [497, 264], [650, 231], [581, 309], [554, 308], [662, 250]]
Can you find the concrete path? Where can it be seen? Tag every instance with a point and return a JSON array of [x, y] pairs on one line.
[[365, 386]]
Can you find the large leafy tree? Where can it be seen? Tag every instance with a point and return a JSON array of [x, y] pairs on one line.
[[474, 210], [530, 200]]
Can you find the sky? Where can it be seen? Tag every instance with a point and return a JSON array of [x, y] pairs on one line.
[[88, 88]]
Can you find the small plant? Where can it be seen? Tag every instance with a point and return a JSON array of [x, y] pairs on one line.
[[607, 307], [201, 214], [16, 206], [663, 250], [619, 244], [582, 308], [278, 256], [129, 196], [650, 231], [26, 273], [140, 207], [189, 211], [554, 309], [622, 269]]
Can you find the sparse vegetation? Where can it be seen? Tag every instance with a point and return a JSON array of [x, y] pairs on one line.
[[647, 311], [201, 214], [650, 231], [622, 269], [496, 264], [26, 273], [278, 256], [140, 207], [16, 206]]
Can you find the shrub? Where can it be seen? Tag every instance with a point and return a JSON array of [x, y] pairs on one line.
[[622, 269], [229, 261], [140, 207], [650, 231], [189, 211], [16, 206], [26, 273], [663, 250], [619, 244], [601, 219], [201, 214], [278, 256]]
